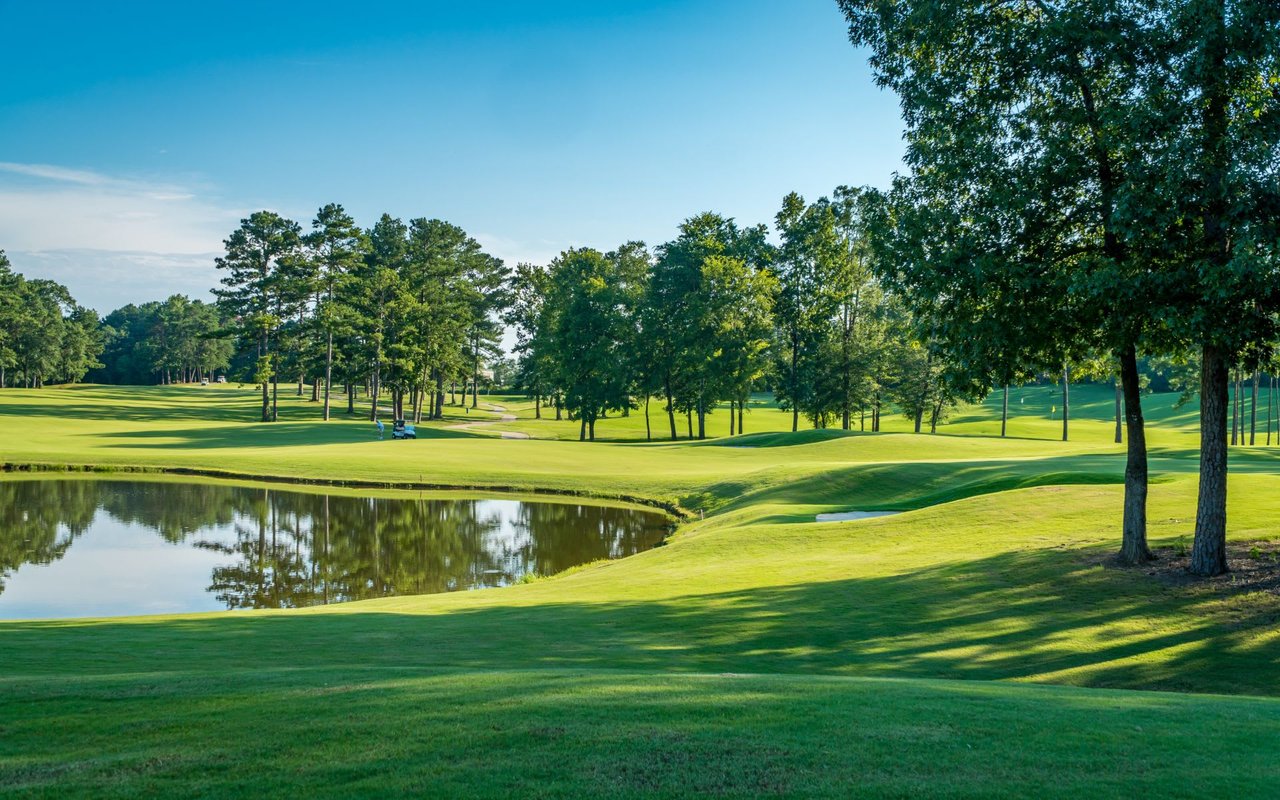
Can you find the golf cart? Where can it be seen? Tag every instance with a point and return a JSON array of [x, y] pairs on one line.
[[402, 431]]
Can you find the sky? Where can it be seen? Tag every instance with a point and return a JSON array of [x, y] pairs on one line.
[[134, 136]]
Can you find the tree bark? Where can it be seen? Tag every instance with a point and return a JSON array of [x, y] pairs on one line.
[[1133, 542], [741, 403], [732, 419], [648, 432], [1209, 550]]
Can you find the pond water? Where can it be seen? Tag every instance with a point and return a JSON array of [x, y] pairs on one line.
[[74, 548]]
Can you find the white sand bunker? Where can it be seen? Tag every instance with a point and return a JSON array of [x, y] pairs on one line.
[[844, 516]]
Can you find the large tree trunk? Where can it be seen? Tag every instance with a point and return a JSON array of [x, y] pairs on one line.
[[648, 432], [1209, 550], [582, 427], [1133, 543], [919, 418], [732, 419]]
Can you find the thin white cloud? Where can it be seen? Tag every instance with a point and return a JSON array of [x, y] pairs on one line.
[[50, 207], [56, 173], [111, 239]]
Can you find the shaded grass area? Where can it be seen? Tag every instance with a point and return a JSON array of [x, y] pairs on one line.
[[344, 732]]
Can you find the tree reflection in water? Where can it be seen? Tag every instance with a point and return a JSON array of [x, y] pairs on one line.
[[288, 549]]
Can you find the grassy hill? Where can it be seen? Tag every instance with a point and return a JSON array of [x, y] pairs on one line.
[[758, 653]]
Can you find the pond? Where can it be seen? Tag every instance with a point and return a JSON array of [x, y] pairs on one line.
[[97, 547]]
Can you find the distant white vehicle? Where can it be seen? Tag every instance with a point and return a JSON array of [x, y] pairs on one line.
[[221, 379], [204, 382]]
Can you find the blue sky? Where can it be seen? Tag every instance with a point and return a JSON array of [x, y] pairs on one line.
[[135, 135]]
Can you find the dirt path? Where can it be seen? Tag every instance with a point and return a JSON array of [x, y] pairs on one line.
[[502, 417]]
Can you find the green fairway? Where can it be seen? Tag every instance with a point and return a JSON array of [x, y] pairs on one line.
[[757, 653]]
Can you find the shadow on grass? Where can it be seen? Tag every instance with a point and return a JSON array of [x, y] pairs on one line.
[[1029, 615]]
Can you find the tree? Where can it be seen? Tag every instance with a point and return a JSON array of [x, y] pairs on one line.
[[1214, 148], [336, 247], [585, 327], [1027, 129], [255, 293]]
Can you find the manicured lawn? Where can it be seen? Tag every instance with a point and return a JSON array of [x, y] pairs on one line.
[[757, 653]]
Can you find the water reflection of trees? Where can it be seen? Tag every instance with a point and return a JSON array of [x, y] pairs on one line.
[[290, 549], [40, 519]]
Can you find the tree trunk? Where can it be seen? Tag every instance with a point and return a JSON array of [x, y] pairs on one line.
[[559, 408], [1209, 550], [648, 432], [1004, 413], [1233, 398], [1253, 410], [582, 428], [1066, 402], [689, 419], [919, 418], [373, 395], [591, 429], [1119, 402], [671, 408], [742, 402], [266, 397], [351, 398], [328, 374], [1271, 390], [702, 420], [1133, 542], [732, 419], [537, 406]]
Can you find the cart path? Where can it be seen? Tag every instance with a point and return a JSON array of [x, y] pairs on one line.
[[502, 417]]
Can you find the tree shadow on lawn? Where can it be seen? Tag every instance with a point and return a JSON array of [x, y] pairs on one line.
[[1023, 615], [573, 733]]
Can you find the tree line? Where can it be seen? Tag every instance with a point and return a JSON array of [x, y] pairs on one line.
[[45, 337]]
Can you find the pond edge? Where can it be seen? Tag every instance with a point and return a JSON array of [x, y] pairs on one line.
[[675, 510]]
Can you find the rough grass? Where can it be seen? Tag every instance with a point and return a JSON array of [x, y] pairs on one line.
[[756, 654]]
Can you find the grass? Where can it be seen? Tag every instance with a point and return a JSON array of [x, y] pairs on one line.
[[758, 653]]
